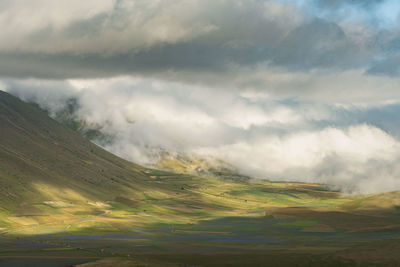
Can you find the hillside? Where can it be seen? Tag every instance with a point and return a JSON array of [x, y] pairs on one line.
[[39, 157], [47, 169], [66, 201]]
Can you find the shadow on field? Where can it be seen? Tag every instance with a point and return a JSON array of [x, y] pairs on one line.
[[288, 237]]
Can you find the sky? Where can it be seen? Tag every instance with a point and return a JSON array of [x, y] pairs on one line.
[[302, 90]]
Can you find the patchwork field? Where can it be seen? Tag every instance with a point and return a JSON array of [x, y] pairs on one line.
[[198, 221]]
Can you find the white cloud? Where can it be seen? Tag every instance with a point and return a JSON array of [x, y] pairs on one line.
[[113, 27], [26, 18], [339, 157], [301, 141], [50, 95]]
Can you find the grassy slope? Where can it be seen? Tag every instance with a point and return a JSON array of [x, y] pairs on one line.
[[46, 168], [38, 156], [53, 181]]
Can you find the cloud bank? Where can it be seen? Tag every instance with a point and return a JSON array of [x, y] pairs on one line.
[[339, 145]]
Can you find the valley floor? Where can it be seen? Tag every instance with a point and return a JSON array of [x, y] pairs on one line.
[[192, 221]]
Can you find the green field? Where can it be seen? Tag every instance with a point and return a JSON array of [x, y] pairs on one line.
[[209, 219], [64, 201]]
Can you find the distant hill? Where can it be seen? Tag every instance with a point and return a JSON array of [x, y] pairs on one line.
[[194, 165]]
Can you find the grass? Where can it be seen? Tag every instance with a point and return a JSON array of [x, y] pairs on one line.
[[205, 219], [66, 201]]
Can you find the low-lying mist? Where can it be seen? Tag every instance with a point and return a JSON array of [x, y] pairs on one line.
[[275, 139]]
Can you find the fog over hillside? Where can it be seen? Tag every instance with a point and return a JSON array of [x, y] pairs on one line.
[[283, 90], [270, 139]]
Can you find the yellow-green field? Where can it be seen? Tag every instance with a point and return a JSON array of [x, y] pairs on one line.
[[174, 199], [186, 215]]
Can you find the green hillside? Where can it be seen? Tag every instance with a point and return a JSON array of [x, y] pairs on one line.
[[39, 157], [64, 201]]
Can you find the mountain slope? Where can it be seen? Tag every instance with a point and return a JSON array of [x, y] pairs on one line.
[[38, 154]]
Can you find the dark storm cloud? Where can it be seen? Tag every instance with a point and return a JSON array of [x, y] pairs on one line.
[[122, 40], [388, 66], [336, 4], [317, 44], [388, 60]]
